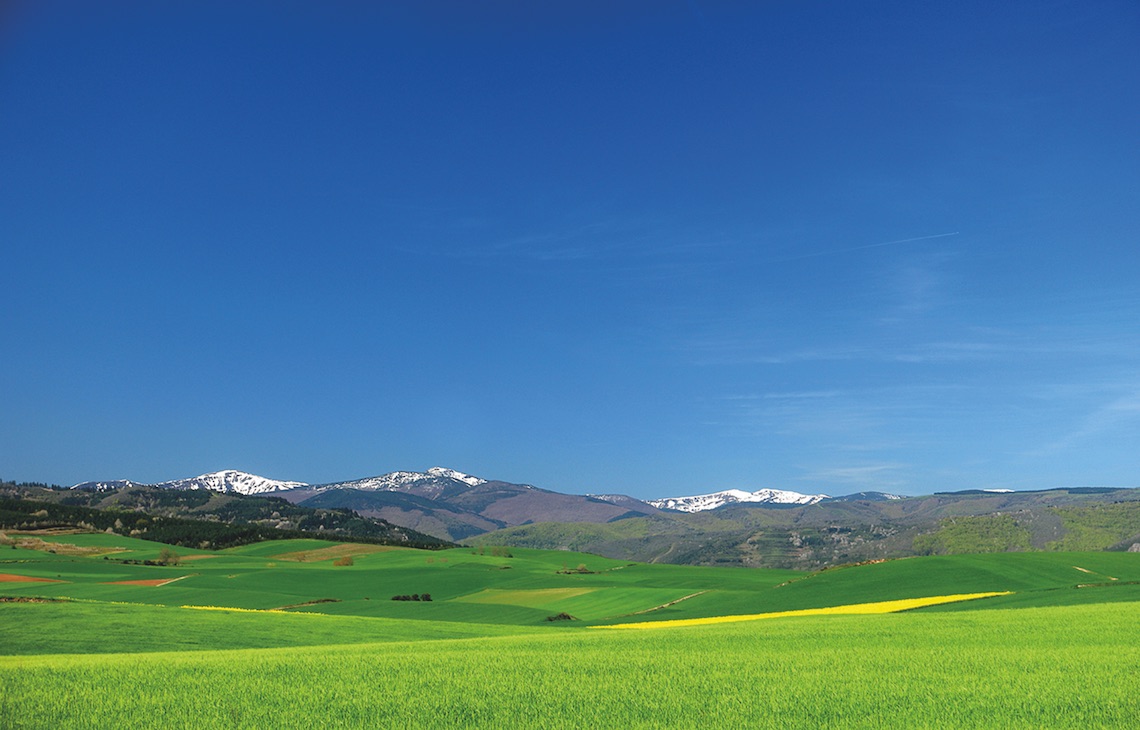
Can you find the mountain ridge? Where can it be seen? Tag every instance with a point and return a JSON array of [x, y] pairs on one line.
[[436, 479]]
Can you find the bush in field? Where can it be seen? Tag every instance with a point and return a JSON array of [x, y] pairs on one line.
[[342, 562], [166, 556]]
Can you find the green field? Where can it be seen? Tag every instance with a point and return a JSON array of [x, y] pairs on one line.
[[1061, 650]]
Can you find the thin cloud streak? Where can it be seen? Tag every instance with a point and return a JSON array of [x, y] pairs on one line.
[[1117, 413], [837, 251], [874, 475]]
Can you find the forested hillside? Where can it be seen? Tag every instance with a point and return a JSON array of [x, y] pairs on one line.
[[198, 518]]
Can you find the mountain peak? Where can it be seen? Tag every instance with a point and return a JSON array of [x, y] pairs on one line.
[[232, 480], [439, 471], [703, 502], [401, 481]]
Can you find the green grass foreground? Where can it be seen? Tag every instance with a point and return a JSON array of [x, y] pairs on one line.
[[1046, 667], [81, 648]]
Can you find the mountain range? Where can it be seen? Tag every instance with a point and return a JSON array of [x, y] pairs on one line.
[[453, 505], [764, 528]]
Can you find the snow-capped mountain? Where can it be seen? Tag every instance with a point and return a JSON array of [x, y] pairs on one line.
[[230, 480], [439, 471], [703, 502], [401, 481]]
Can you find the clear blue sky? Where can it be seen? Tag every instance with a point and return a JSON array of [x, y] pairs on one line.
[[658, 248]]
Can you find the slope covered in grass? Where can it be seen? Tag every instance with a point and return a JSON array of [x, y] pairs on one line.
[[528, 586], [1069, 667]]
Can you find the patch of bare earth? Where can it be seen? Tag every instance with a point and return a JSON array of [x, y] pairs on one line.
[[13, 578], [333, 552], [25, 540]]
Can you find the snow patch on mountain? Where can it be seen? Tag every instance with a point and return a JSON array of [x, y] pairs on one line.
[[703, 502], [107, 486], [230, 480], [439, 471], [399, 481]]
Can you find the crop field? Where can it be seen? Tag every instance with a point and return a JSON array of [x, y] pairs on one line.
[[286, 634]]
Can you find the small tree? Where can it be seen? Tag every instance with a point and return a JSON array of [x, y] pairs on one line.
[[166, 556]]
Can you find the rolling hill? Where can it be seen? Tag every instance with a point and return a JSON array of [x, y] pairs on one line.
[[770, 528]]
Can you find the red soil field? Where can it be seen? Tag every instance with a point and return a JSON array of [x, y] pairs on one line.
[[12, 578]]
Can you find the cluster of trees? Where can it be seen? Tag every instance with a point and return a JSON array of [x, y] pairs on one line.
[[580, 569], [497, 551], [413, 597]]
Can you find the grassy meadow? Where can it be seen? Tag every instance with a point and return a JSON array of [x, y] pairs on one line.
[[284, 634]]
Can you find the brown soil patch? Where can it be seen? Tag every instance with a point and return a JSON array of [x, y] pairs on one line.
[[13, 578], [347, 549], [22, 540], [154, 582], [198, 557]]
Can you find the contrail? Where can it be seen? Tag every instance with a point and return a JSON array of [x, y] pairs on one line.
[[830, 252]]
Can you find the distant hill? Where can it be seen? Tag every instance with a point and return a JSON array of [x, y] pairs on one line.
[[766, 527], [191, 518], [834, 532], [441, 502]]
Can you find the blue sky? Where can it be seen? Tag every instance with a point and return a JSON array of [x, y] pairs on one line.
[[656, 248]]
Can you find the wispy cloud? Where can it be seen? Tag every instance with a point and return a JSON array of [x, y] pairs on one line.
[[883, 475], [864, 247], [1107, 418], [745, 351]]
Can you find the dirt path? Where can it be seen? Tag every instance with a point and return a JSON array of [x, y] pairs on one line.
[[154, 582], [1093, 572], [667, 605]]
